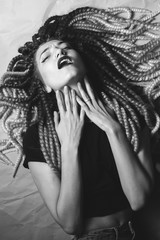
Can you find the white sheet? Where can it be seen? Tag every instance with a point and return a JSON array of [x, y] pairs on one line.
[[22, 212]]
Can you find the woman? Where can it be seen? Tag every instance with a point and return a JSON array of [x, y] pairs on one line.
[[87, 131]]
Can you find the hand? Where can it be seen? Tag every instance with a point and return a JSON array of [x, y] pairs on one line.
[[94, 108], [70, 122]]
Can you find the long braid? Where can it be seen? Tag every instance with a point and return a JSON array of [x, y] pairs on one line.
[[120, 44], [49, 135]]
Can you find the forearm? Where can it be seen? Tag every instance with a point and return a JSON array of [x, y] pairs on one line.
[[135, 180], [69, 205]]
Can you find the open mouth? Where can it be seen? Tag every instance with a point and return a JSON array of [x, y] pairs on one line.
[[64, 61]]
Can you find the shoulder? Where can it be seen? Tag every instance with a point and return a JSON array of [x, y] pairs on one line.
[[31, 146]]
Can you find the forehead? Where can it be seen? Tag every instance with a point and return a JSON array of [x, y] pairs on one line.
[[54, 42]]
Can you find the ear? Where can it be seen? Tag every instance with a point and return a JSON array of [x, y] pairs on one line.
[[48, 89]]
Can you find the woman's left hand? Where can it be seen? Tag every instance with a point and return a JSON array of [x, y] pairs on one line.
[[95, 109]]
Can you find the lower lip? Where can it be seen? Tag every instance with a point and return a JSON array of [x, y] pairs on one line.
[[66, 65]]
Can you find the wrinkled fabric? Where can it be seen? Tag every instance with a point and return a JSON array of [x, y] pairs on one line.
[[22, 212]]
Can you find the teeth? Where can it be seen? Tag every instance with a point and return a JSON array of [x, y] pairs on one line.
[[64, 61]]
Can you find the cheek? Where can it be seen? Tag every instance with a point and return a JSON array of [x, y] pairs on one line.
[[47, 74]]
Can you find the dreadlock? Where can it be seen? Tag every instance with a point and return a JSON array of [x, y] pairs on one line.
[[119, 47]]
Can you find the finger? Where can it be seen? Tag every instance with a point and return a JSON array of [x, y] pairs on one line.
[[89, 89], [101, 105], [60, 103], [84, 95], [56, 119], [67, 98], [105, 108], [74, 102], [82, 114], [82, 104]]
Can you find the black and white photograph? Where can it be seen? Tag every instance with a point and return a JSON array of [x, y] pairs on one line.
[[79, 120]]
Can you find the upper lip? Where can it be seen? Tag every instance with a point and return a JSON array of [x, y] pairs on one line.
[[62, 59]]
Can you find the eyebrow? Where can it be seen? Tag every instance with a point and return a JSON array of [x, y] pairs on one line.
[[59, 43]]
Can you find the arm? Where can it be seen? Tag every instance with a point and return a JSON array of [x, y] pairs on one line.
[[63, 197], [135, 170], [69, 205]]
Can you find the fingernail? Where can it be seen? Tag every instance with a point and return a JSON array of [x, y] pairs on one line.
[[65, 88]]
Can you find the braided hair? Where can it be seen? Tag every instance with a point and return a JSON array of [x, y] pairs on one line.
[[121, 55]]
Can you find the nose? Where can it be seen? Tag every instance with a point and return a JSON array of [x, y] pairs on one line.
[[60, 51]]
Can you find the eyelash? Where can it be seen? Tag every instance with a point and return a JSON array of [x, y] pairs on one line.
[[45, 59], [67, 47]]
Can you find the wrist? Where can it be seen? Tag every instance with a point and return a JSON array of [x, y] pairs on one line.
[[69, 148], [115, 129], [69, 154]]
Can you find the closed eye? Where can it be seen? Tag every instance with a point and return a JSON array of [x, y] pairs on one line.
[[67, 47], [45, 58]]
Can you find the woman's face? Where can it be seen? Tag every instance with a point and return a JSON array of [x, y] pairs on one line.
[[59, 65]]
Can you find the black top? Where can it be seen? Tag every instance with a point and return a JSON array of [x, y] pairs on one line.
[[103, 194]]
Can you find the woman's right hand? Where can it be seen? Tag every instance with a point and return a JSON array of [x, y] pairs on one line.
[[69, 122]]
